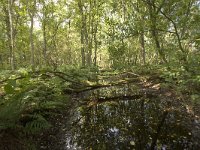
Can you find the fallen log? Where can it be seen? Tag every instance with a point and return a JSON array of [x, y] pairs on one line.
[[99, 100]]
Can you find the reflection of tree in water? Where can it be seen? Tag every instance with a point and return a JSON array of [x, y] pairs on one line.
[[133, 124]]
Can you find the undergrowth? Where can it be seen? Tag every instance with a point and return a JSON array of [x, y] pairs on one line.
[[28, 99], [182, 81], [26, 102]]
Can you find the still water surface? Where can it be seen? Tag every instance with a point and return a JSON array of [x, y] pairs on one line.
[[126, 124]]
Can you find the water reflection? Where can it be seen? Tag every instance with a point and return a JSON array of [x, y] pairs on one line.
[[145, 123]]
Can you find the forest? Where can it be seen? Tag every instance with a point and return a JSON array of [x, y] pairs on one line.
[[99, 74]]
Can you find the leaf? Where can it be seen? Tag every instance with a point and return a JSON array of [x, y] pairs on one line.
[[12, 82], [9, 89], [37, 124]]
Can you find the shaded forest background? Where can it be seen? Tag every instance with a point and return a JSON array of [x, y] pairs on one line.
[[41, 33]]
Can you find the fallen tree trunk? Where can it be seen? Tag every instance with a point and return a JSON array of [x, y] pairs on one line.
[[99, 100]]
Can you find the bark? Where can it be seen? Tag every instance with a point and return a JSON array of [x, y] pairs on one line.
[[82, 32], [123, 3], [142, 42], [32, 43], [11, 39], [44, 34], [153, 19], [90, 37], [96, 4], [70, 60], [85, 34], [44, 42], [143, 51], [95, 44], [82, 48]]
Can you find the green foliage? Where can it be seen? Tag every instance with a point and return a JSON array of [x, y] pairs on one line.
[[182, 81], [80, 73], [117, 52], [30, 97], [157, 39], [37, 124], [9, 114]]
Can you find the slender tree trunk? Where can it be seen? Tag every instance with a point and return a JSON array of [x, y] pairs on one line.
[[90, 34], [32, 42], [123, 3], [82, 33], [95, 44], [44, 33], [96, 4], [70, 60], [11, 40], [86, 39], [154, 33], [82, 48], [7, 22], [143, 51], [44, 42], [183, 59]]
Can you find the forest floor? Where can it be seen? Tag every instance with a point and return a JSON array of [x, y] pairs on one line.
[[144, 86], [31, 101]]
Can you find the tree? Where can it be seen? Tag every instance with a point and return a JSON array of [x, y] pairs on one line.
[[10, 30], [31, 12]]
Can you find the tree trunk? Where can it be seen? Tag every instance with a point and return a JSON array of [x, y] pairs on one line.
[[44, 42], [96, 20], [11, 40], [70, 60], [95, 44], [44, 33], [154, 33], [82, 48], [32, 42], [85, 34], [82, 33], [143, 51], [91, 25]]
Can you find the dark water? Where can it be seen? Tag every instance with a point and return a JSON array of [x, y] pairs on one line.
[[126, 123]]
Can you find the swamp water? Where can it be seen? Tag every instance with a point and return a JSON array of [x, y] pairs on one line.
[[120, 123], [113, 119]]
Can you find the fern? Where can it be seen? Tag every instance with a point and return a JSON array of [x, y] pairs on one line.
[[38, 123], [10, 112]]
